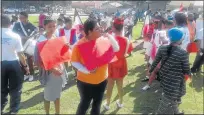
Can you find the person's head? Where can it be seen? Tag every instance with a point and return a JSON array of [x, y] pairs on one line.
[[6, 21], [169, 24], [68, 22], [49, 25], [118, 25], [14, 18], [190, 17], [60, 21], [92, 29], [61, 15], [175, 36], [23, 17], [180, 19]]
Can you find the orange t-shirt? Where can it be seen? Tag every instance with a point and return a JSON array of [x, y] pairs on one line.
[[191, 28], [93, 78]]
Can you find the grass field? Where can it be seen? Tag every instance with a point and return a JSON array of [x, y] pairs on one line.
[[135, 100]]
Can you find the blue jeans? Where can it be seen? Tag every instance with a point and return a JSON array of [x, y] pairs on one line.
[[11, 83]]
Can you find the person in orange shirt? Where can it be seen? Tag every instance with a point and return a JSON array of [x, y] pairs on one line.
[[117, 70], [191, 26], [91, 84]]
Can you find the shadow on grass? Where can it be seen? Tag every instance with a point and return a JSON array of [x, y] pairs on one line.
[[38, 98], [137, 69], [197, 82], [144, 101]]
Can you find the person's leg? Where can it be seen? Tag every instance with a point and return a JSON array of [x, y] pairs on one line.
[[98, 93], [163, 106], [57, 106], [4, 85], [86, 91], [198, 62], [119, 83], [110, 85], [47, 106], [15, 85], [30, 64]]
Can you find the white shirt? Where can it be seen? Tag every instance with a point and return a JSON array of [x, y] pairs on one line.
[[58, 28], [199, 32], [186, 37], [11, 45], [128, 21]]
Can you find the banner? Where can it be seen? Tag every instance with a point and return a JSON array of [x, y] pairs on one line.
[[54, 52], [96, 53]]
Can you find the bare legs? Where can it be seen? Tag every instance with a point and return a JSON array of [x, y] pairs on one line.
[[57, 106], [119, 83], [47, 106]]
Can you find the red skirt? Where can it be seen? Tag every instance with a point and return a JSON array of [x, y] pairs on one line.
[[118, 69]]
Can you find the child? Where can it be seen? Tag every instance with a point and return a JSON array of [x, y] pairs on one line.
[[70, 35], [117, 70], [53, 79]]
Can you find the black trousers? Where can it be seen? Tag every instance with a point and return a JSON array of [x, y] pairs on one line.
[[199, 61], [87, 93], [11, 83]]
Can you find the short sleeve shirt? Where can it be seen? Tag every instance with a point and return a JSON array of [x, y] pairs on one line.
[[11, 45]]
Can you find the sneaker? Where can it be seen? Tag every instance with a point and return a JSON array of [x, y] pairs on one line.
[[119, 104], [26, 77], [145, 79], [30, 78], [106, 107], [146, 87]]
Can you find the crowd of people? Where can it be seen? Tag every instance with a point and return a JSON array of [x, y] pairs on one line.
[[166, 40]]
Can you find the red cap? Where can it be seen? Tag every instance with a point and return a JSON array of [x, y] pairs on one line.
[[118, 21]]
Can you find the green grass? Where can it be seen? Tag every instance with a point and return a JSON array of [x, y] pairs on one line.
[[33, 20], [135, 100]]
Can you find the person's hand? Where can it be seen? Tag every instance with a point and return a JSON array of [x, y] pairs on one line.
[[27, 70], [93, 71], [57, 71]]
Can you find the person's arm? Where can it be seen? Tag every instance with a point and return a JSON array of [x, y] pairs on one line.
[[114, 43], [185, 64], [75, 61], [22, 58], [80, 67], [157, 60], [127, 47]]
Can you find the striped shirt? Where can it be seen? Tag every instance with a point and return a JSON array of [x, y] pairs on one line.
[[173, 71]]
